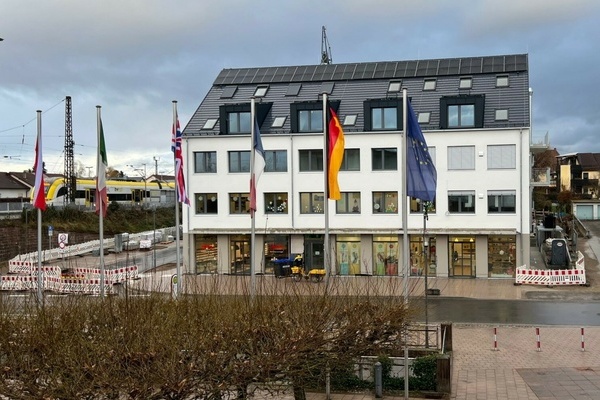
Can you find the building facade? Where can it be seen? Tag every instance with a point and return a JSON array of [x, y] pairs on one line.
[[475, 116]]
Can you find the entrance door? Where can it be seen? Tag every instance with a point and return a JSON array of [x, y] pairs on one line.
[[314, 254], [239, 254], [462, 257]]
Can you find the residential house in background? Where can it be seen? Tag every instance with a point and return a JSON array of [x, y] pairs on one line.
[[580, 174], [475, 115]]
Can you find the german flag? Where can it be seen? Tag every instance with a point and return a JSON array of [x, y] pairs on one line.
[[335, 152]]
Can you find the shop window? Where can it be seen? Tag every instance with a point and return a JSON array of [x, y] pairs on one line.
[[348, 255], [423, 255], [206, 254], [385, 255], [502, 260]]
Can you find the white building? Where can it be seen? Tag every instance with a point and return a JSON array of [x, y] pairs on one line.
[[474, 113]]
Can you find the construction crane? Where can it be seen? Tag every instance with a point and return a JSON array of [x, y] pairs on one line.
[[325, 48], [70, 178]]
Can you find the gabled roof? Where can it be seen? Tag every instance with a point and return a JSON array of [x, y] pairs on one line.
[[589, 161], [8, 182], [353, 84]]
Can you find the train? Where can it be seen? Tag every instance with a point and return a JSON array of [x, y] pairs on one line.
[[122, 191]]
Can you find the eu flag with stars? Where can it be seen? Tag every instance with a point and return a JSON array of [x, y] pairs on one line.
[[421, 178]]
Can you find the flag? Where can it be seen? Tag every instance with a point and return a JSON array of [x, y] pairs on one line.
[[39, 195], [101, 192], [258, 167], [421, 176], [335, 153], [176, 140]]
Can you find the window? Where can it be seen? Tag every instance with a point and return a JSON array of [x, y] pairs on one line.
[[276, 203], [206, 253], [461, 202], [385, 255], [383, 115], [239, 203], [261, 91], [395, 86], [239, 161], [311, 160], [464, 111], [276, 161], [312, 203], [429, 84], [349, 203], [502, 156], [502, 115], [350, 120], [351, 161], [278, 122], [293, 89], [416, 205], [239, 122], [308, 116], [205, 162], [461, 116], [348, 254], [385, 118], [276, 247], [384, 159], [424, 117], [461, 157], [502, 201], [206, 203], [228, 92], [502, 81], [210, 123], [465, 83], [385, 202]]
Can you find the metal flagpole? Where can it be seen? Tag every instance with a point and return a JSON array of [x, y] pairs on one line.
[[40, 292], [327, 260], [100, 214], [405, 246], [252, 211], [177, 202]]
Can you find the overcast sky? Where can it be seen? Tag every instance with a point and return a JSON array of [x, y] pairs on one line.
[[133, 57]]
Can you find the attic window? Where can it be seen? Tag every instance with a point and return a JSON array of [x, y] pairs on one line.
[[278, 122], [261, 91], [424, 117], [228, 92], [429, 84], [395, 86], [465, 83], [293, 89], [502, 115], [502, 81], [210, 123], [350, 120], [327, 87]]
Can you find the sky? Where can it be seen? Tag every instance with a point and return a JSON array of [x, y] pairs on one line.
[[134, 57]]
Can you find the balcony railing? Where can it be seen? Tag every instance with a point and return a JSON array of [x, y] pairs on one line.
[[542, 177]]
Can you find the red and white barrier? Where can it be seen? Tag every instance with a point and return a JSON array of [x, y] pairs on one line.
[[551, 277], [537, 336]]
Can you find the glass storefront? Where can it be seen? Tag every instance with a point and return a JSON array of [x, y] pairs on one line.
[[276, 248], [461, 254], [206, 254], [348, 255], [501, 256], [420, 256], [385, 255], [239, 254]]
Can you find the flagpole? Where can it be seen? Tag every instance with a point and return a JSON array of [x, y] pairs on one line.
[[98, 199], [252, 211], [177, 200], [40, 292], [327, 261], [405, 245]]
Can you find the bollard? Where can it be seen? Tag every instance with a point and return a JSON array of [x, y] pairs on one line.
[[495, 340], [537, 334], [582, 340], [378, 381]]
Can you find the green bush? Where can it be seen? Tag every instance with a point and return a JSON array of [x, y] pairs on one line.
[[424, 371]]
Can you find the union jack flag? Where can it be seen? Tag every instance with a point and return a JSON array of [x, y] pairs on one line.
[[179, 175]]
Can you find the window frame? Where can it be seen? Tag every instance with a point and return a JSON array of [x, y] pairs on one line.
[[387, 205], [315, 156], [272, 161], [242, 165], [348, 204], [349, 155], [463, 160], [276, 202], [202, 199], [478, 103], [200, 159], [462, 207], [501, 156], [369, 105], [497, 196], [315, 202], [382, 154], [239, 203]]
